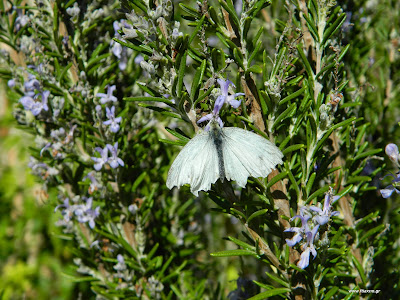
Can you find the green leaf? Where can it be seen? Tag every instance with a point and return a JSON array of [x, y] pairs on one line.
[[292, 95], [311, 26], [190, 11], [326, 68], [138, 181], [265, 102], [344, 51], [292, 148], [278, 280], [63, 72], [145, 49], [166, 264], [359, 179], [246, 26], [278, 62], [332, 291], [270, 293], [236, 212], [177, 292], [310, 183], [287, 113], [256, 214], [197, 29], [336, 236], [367, 219], [255, 51], [236, 252], [345, 191], [331, 30], [232, 13], [153, 251], [318, 193], [259, 5], [292, 179], [303, 163], [295, 81], [181, 74], [238, 57], [148, 99], [161, 110], [178, 135], [214, 20], [176, 272], [203, 96], [360, 135], [255, 69], [242, 244], [371, 232], [300, 270], [257, 36], [278, 177], [306, 63], [329, 132], [198, 77], [359, 267], [97, 59], [146, 89], [368, 153], [100, 48]]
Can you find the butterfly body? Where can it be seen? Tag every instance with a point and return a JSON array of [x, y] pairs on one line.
[[216, 137], [230, 152]]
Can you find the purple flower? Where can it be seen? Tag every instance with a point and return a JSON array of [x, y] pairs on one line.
[[70, 134], [230, 99], [36, 107], [117, 49], [109, 96], [11, 83], [114, 160], [21, 20], [308, 248], [214, 116], [58, 134], [27, 102], [41, 169], [39, 106], [120, 266], [322, 217], [98, 109], [392, 151], [300, 231], [112, 121], [138, 59], [85, 213], [99, 162], [74, 12], [47, 146], [221, 100], [388, 191], [31, 85], [133, 208], [94, 184], [68, 210]]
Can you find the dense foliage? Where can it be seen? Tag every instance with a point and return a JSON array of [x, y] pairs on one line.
[[107, 92]]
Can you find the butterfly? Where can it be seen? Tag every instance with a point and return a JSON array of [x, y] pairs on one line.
[[229, 152]]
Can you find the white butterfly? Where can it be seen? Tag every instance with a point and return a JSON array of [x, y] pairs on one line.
[[230, 152]]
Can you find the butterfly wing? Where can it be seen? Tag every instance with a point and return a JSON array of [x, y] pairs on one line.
[[196, 164], [248, 154]]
